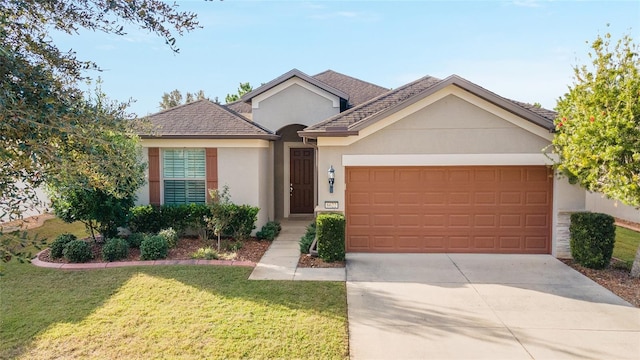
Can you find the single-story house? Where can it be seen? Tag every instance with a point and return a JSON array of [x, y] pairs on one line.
[[436, 165]]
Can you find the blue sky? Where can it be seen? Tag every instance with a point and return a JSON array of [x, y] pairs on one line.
[[521, 49]]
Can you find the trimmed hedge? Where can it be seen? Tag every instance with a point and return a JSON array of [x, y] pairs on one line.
[[592, 236], [77, 251], [152, 219], [154, 248], [330, 230], [58, 245], [115, 249]]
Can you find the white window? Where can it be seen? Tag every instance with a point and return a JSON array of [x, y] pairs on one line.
[[184, 176]]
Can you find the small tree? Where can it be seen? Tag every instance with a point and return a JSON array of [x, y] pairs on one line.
[[97, 210], [174, 98], [598, 125], [242, 89], [219, 219]]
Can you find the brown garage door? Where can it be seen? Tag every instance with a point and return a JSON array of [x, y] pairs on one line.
[[469, 209]]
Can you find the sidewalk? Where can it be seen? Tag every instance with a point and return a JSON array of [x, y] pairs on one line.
[[280, 262]]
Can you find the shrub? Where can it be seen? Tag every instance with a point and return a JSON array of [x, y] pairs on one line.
[[153, 248], [235, 220], [205, 253], [171, 236], [592, 238], [269, 231], [233, 246], [330, 232], [135, 239], [115, 249], [77, 251], [145, 219], [57, 246], [307, 238]]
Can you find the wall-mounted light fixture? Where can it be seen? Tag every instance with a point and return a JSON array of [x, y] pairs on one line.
[[332, 176]]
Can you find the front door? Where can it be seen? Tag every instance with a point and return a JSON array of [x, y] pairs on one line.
[[301, 181]]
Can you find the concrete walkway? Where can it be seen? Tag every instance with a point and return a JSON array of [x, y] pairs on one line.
[[280, 262], [473, 306]]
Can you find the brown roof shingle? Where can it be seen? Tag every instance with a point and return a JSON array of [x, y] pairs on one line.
[[359, 91], [350, 118], [351, 121], [202, 119]]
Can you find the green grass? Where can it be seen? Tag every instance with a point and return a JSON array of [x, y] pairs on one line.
[[54, 227], [168, 312], [627, 242]]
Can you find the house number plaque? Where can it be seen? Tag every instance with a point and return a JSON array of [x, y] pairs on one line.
[[331, 205]]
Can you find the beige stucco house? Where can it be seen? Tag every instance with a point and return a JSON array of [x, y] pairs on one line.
[[437, 165]]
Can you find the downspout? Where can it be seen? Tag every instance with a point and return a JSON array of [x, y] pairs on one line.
[[305, 140], [313, 250]]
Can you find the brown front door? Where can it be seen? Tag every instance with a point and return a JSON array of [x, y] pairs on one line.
[[301, 181]]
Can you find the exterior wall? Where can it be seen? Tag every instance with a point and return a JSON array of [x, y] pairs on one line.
[[244, 171], [244, 165], [142, 195], [293, 102], [597, 202], [455, 129], [567, 199]]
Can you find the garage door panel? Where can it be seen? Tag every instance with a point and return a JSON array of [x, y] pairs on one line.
[[460, 175], [536, 221], [434, 198], [485, 198], [459, 198], [497, 209], [510, 221], [510, 242], [537, 198], [383, 220], [485, 220], [485, 242], [535, 242], [459, 242], [511, 198], [384, 241]]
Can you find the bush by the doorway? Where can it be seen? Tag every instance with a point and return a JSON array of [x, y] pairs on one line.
[[330, 232]]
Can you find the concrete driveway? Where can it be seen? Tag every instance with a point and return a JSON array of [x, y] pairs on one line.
[[463, 306]]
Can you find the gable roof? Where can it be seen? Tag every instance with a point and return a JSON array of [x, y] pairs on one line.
[[288, 75], [356, 91], [351, 121], [359, 91], [202, 119]]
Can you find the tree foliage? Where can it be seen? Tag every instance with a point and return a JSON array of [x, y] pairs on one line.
[[47, 125], [598, 125], [50, 131], [174, 98], [242, 89]]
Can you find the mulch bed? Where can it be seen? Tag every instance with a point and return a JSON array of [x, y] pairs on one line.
[[251, 250], [308, 261], [615, 278]]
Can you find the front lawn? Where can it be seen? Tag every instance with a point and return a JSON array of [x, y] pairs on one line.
[[627, 242], [168, 312]]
